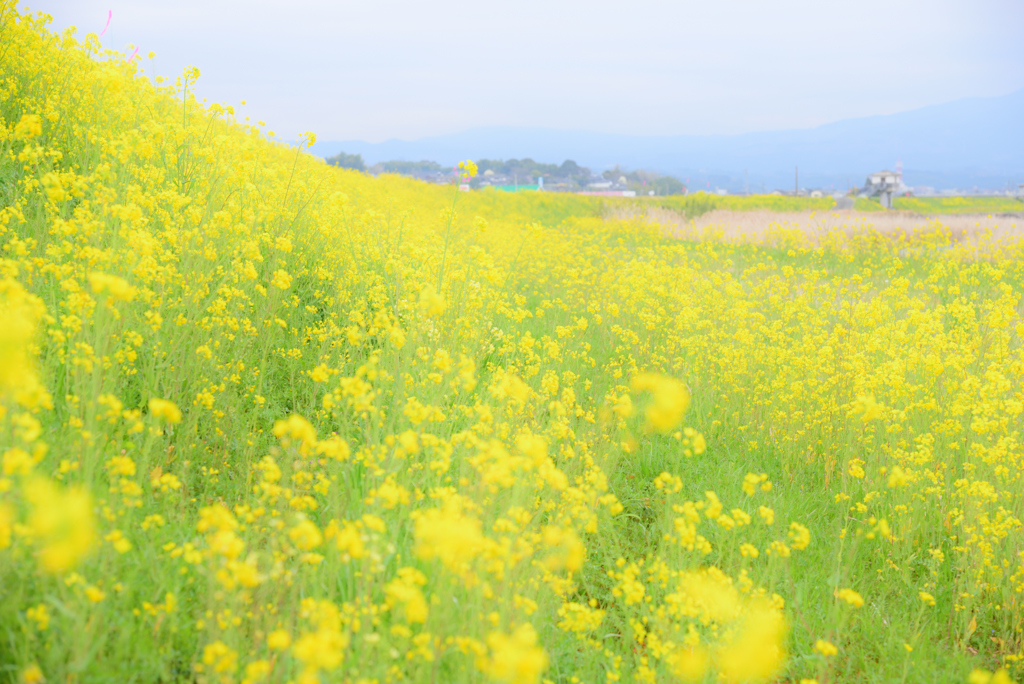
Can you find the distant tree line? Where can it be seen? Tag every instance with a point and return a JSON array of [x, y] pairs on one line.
[[643, 182], [525, 168], [407, 168], [421, 169], [347, 161]]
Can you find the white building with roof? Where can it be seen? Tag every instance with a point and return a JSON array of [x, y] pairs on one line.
[[884, 185]]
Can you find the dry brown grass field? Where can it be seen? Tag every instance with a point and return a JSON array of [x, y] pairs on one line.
[[753, 225]]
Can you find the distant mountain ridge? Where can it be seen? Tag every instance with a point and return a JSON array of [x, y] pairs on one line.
[[971, 142]]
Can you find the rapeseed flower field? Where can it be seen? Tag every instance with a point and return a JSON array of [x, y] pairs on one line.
[[264, 420]]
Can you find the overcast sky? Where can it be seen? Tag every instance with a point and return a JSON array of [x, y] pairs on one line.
[[372, 70]]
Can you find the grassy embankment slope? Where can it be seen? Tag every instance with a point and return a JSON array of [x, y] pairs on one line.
[[264, 420]]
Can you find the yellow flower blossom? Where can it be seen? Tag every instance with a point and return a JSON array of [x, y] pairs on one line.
[[669, 402], [514, 658], [62, 523], [6, 525], [825, 648], [305, 535], [856, 468], [800, 536], [32, 674], [28, 127], [449, 535], [278, 640], [405, 591], [897, 478], [431, 303], [40, 615], [21, 313], [161, 408], [979, 676], [281, 280], [469, 168], [117, 287], [850, 596], [757, 650], [218, 657], [867, 408]]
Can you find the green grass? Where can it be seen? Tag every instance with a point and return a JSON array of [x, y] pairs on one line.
[[959, 205], [700, 203]]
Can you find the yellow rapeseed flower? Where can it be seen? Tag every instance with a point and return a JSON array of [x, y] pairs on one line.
[[867, 408], [219, 657], [405, 591], [690, 664], [757, 651], [298, 429], [20, 312], [305, 535], [825, 648], [514, 658], [979, 676], [6, 525], [897, 478], [799, 536], [161, 408], [28, 127], [117, 287], [279, 640], [32, 674], [431, 303], [669, 400], [469, 168], [850, 596], [449, 535], [62, 524], [320, 650], [281, 280], [40, 615]]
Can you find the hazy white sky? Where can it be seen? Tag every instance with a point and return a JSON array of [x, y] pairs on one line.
[[375, 69]]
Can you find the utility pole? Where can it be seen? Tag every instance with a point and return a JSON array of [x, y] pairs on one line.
[[746, 182], [796, 181]]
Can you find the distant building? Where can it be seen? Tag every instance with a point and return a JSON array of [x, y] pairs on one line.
[[885, 185], [882, 186], [517, 187], [608, 193]]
